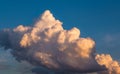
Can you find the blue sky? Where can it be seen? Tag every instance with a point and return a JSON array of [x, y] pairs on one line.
[[98, 19]]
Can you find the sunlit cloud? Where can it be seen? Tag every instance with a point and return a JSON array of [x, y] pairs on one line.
[[49, 45]]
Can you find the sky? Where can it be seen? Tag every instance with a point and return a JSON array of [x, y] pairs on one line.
[[97, 19]]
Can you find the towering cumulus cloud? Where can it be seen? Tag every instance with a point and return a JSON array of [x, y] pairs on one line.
[[47, 44]]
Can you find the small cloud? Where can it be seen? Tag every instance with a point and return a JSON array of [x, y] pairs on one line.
[[111, 40]]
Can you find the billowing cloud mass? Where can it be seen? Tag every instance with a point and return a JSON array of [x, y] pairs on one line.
[[112, 66], [47, 44]]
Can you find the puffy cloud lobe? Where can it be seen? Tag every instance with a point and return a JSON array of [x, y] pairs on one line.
[[112, 66], [47, 44]]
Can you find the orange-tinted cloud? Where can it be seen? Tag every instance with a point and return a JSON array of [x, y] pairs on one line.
[[47, 44]]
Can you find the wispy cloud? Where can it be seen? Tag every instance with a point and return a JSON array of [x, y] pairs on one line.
[[112, 39]]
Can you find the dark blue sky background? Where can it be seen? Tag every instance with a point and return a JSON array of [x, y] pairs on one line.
[[98, 19]]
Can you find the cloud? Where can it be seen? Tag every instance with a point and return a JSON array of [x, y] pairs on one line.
[[112, 66], [47, 44], [111, 40], [8, 65], [4, 57]]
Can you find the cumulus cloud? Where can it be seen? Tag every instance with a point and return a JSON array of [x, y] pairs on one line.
[[112, 66], [47, 44]]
